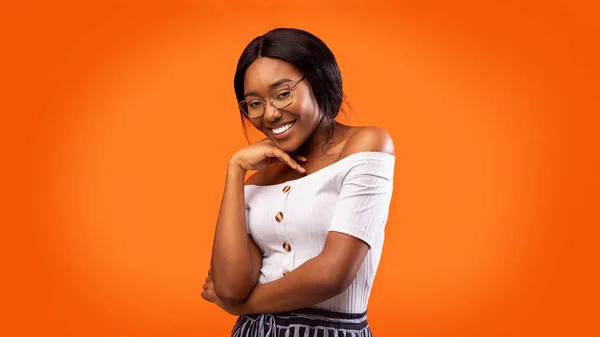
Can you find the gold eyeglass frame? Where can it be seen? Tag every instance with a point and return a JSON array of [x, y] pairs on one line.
[[271, 100]]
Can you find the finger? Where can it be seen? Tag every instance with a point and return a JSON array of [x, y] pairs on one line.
[[205, 296], [282, 155], [294, 165], [301, 158], [209, 272], [272, 160], [205, 286]]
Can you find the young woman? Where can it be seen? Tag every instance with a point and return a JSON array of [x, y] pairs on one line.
[[298, 244]]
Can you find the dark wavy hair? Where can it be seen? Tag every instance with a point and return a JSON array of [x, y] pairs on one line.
[[307, 53]]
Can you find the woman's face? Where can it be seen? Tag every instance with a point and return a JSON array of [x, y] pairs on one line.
[[268, 77]]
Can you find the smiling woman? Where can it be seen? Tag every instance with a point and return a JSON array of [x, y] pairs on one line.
[[298, 75], [295, 250]]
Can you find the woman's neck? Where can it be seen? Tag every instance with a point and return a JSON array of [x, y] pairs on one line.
[[317, 144]]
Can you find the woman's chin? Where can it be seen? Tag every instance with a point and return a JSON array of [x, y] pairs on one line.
[[285, 144]]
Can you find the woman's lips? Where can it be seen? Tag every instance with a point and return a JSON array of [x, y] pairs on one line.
[[284, 133]]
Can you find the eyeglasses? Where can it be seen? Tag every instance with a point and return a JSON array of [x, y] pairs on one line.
[[279, 98]]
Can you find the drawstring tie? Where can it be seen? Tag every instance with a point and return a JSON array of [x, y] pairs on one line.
[[271, 322]]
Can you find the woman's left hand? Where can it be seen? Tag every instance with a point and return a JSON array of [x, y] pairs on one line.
[[210, 295]]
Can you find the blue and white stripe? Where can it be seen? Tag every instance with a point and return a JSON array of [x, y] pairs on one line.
[[307, 322]]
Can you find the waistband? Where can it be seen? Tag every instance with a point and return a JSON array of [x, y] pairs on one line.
[[314, 317]]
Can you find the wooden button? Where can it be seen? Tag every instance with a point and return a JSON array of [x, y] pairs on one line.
[[287, 247], [279, 217], [286, 188], [285, 272]]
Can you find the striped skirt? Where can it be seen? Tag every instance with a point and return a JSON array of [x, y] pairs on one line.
[[306, 322]]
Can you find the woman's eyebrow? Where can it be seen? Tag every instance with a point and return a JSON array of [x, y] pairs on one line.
[[271, 86]]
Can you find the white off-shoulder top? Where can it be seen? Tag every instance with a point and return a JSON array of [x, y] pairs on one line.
[[290, 221]]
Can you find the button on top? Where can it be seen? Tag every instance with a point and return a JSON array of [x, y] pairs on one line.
[[285, 272], [279, 217], [287, 247], [286, 188]]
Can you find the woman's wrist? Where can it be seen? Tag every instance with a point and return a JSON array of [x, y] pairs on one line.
[[240, 309], [234, 167]]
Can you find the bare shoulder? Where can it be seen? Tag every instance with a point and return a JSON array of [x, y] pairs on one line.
[[368, 139]]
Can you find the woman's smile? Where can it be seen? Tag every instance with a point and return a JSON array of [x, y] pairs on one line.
[[282, 131]]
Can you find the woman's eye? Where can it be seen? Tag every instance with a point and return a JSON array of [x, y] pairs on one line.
[[254, 104], [283, 94]]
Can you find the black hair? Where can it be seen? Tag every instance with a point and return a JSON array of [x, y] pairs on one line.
[[307, 53]]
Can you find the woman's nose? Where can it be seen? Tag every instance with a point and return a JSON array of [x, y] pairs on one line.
[[271, 112]]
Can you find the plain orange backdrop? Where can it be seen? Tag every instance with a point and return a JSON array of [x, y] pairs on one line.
[[119, 121]]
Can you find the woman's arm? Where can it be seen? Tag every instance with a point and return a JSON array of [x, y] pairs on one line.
[[316, 280], [231, 263]]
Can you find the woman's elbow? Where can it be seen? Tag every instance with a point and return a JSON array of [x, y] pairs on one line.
[[232, 293], [337, 282], [232, 287], [340, 284]]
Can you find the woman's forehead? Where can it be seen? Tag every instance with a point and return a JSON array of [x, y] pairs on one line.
[[266, 71]]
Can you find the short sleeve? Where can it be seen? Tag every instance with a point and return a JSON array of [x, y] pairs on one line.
[[365, 195]]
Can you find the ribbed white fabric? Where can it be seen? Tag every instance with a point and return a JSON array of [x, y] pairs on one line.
[[351, 196]]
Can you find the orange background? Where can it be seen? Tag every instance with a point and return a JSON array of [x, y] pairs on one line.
[[119, 121]]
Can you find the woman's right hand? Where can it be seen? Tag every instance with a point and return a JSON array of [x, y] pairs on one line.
[[262, 154]]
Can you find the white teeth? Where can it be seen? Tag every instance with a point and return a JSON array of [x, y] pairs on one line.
[[283, 128]]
